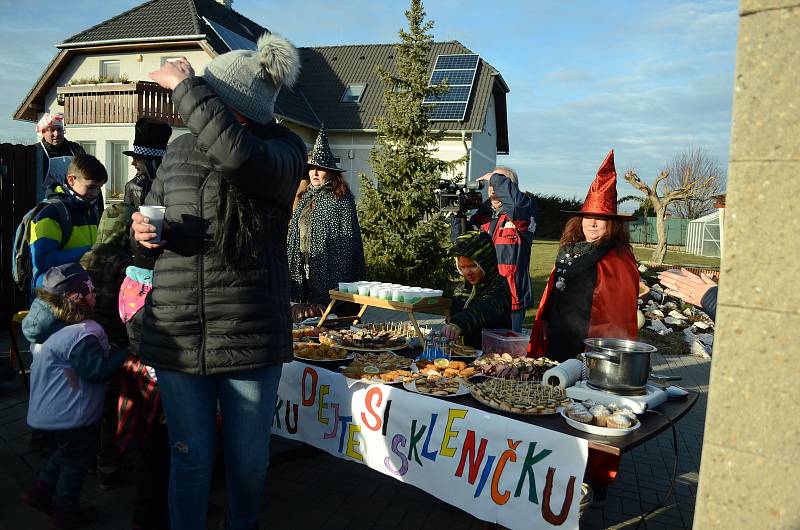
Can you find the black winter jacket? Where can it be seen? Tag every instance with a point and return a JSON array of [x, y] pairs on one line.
[[202, 317]]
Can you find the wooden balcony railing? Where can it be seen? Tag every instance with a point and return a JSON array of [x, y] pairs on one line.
[[117, 103]]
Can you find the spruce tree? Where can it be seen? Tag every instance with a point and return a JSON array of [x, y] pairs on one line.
[[405, 236]]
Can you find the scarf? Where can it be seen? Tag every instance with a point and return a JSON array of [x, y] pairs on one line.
[[571, 308]]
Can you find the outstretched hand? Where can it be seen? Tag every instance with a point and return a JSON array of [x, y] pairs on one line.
[[686, 285], [172, 73]]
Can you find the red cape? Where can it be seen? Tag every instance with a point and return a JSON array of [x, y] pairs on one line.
[[613, 302]]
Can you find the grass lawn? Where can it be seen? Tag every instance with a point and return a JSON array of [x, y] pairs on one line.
[[677, 258], [543, 256]]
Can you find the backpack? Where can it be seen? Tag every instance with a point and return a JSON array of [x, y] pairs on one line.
[[21, 263], [133, 291]]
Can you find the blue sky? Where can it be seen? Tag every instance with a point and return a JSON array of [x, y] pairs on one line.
[[646, 78]]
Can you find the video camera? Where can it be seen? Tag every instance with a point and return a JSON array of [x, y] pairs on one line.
[[459, 199]]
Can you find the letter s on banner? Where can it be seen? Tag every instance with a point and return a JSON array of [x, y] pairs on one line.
[[368, 399], [397, 440]]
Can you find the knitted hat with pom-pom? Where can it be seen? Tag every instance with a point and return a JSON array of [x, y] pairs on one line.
[[249, 80]]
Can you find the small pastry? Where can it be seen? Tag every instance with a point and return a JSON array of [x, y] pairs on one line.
[[583, 416], [618, 421], [599, 413]]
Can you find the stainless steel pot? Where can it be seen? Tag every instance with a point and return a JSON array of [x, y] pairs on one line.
[[618, 365]]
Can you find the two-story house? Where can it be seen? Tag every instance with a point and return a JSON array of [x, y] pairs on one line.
[[99, 80]]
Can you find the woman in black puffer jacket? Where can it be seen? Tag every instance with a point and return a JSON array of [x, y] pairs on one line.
[[216, 325]]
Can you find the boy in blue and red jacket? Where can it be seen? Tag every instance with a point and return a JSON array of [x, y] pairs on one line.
[[508, 216], [56, 240]]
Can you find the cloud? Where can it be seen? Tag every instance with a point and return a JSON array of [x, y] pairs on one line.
[[646, 78]]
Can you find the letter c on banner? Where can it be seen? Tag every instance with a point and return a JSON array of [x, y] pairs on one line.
[[508, 454], [368, 399], [308, 401]]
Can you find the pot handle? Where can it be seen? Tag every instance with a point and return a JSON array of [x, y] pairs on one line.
[[602, 356]]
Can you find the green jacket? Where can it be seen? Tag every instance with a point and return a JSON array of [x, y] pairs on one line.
[[486, 305], [106, 263]]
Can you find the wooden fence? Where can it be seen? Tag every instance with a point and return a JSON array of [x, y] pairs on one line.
[[118, 103], [20, 166]]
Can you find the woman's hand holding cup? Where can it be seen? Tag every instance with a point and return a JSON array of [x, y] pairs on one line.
[[144, 232]]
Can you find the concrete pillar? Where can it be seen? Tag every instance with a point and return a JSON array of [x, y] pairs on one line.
[[750, 471]]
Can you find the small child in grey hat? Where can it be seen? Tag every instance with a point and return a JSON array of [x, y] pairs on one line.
[[71, 364]]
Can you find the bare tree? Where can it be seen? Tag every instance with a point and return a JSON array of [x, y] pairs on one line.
[[691, 165], [660, 201]]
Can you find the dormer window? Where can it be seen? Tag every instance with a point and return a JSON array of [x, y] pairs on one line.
[[353, 93]]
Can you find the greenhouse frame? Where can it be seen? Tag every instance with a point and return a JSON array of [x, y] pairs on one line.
[[704, 235]]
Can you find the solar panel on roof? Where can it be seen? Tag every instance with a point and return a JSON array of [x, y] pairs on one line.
[[454, 62], [459, 73], [453, 77], [447, 111], [232, 40]]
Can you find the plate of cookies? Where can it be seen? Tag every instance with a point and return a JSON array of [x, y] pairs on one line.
[[603, 420], [387, 368], [437, 386]]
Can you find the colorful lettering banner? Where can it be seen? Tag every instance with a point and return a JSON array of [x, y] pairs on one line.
[[495, 468]]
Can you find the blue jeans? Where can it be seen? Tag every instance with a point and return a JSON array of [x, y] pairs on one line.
[[517, 317], [73, 452], [247, 402]]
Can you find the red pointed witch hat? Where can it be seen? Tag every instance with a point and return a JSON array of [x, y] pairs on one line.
[[602, 197]]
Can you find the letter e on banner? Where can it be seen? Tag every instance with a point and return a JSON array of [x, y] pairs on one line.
[[452, 415], [352, 443]]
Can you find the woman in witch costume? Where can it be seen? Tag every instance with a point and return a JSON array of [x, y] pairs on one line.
[[324, 243], [595, 281]]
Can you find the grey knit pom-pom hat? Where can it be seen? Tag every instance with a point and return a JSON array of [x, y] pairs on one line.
[[249, 80]]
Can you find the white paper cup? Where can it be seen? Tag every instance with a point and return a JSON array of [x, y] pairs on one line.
[[385, 294], [363, 290], [156, 216]]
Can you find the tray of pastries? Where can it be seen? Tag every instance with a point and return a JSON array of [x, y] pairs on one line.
[[300, 332], [519, 397], [437, 386], [443, 368], [364, 339], [605, 420], [385, 367], [507, 366], [311, 351]]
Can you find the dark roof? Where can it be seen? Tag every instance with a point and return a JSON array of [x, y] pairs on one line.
[[171, 18], [327, 70]]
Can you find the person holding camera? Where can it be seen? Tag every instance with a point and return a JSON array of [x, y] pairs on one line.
[[508, 217]]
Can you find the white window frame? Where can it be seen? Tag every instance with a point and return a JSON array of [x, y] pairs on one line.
[[350, 94], [118, 170], [90, 146], [104, 68]]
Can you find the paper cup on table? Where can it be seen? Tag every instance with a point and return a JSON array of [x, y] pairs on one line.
[[156, 216], [564, 375], [363, 290]]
